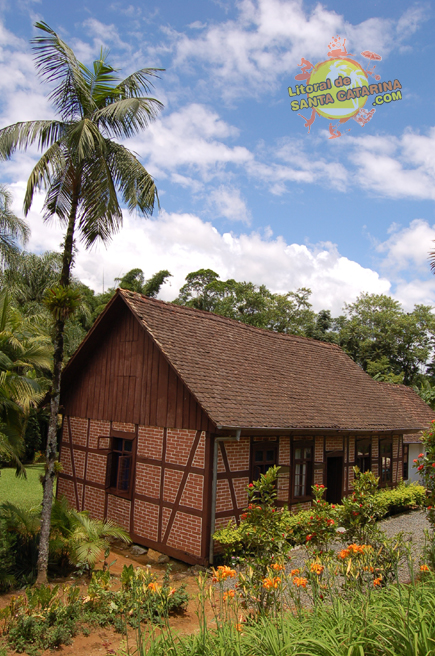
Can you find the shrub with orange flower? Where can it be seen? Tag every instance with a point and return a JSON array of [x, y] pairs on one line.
[[229, 594], [222, 573], [377, 581], [294, 572], [300, 581], [316, 568], [154, 587], [271, 582], [277, 567], [424, 568]]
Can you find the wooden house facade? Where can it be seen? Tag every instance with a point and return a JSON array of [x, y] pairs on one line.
[[170, 412]]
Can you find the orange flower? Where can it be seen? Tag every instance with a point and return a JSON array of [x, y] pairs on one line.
[[153, 587], [269, 583], [300, 581], [230, 594], [277, 567], [294, 572], [344, 553], [222, 573], [238, 627], [316, 568], [377, 581], [424, 568]]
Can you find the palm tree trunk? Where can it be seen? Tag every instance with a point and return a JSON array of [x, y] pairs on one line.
[[50, 456]]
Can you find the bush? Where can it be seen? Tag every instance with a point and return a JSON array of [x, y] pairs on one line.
[[401, 498], [425, 464], [49, 616], [76, 541], [361, 510]]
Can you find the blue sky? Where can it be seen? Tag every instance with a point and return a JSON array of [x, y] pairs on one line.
[[244, 189]]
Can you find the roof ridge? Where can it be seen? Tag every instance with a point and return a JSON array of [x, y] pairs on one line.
[[212, 316]]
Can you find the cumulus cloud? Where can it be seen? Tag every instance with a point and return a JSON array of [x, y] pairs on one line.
[[408, 246], [183, 243], [227, 202], [192, 137], [269, 37]]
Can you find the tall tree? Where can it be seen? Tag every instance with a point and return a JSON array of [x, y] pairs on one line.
[[83, 169], [12, 229], [247, 302], [385, 340]]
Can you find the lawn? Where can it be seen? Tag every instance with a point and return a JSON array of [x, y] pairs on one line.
[[25, 492]]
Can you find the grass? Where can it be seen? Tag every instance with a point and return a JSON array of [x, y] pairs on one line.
[[25, 492]]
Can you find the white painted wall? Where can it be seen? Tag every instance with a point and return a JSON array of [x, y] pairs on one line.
[[414, 451]]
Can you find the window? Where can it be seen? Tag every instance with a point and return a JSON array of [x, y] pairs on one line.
[[405, 462], [302, 470], [120, 466], [363, 455], [386, 460], [263, 457]]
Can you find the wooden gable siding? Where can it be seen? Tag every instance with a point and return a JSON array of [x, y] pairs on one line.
[[127, 379]]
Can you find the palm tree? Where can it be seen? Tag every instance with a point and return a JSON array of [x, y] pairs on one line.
[[82, 169], [25, 354], [12, 229]]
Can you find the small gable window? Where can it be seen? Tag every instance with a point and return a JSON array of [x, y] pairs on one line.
[[120, 466]]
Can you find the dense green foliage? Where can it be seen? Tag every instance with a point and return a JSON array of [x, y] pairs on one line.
[[358, 514], [50, 616], [397, 621], [425, 464], [76, 541]]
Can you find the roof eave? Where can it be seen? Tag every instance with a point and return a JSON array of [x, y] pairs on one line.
[[279, 430]]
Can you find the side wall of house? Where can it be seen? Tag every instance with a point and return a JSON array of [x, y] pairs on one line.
[[169, 508], [234, 468]]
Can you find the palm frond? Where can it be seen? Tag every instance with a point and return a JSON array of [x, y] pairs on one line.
[[22, 135], [100, 215], [57, 63], [51, 163], [136, 185], [83, 140], [126, 117], [138, 83]]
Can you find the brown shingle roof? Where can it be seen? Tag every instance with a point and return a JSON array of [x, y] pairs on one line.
[[414, 406], [249, 377]]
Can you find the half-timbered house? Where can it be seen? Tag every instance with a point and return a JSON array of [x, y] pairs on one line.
[[169, 412]]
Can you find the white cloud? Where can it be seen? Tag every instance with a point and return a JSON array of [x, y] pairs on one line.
[[227, 202], [192, 138], [183, 243], [269, 37], [396, 167], [408, 247]]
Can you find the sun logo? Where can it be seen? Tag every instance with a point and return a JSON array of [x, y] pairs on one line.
[[338, 88]]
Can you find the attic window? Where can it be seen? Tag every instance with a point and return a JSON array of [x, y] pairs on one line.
[[120, 466]]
